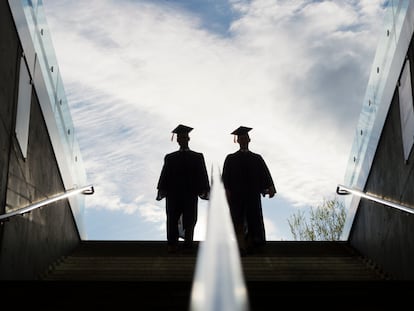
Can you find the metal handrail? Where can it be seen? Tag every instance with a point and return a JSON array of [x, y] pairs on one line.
[[87, 190], [344, 190], [218, 283]]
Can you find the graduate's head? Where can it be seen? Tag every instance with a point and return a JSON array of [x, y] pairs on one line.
[[242, 136], [182, 134]]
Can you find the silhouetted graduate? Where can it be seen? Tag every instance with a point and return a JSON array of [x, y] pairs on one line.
[[246, 177], [182, 180]]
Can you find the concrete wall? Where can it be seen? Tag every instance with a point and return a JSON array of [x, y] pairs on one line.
[[382, 233], [9, 55], [29, 243]]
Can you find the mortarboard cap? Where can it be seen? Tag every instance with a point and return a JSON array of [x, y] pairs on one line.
[[181, 129], [241, 130]]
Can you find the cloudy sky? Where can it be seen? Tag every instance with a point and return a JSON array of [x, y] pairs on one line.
[[293, 70]]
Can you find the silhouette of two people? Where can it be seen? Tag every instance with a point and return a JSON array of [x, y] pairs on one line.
[[245, 177]]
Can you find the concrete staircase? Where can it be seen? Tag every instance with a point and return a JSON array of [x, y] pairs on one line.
[[142, 275]]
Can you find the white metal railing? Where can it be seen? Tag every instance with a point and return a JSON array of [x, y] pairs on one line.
[[84, 190], [343, 190], [218, 283]]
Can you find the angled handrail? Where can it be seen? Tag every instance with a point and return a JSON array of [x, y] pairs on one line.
[[344, 190], [218, 283], [87, 190]]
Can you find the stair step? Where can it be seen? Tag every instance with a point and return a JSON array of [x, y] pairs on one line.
[[149, 261], [116, 274]]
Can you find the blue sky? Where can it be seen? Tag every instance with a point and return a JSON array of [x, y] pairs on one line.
[[293, 70]]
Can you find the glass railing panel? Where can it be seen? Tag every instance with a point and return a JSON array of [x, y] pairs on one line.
[[375, 88], [48, 63]]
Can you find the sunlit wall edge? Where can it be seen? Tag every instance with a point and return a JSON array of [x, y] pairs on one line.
[[65, 158]]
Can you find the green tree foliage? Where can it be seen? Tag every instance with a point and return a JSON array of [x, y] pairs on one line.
[[325, 222]]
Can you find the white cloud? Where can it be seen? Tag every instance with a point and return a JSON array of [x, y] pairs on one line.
[[295, 71]]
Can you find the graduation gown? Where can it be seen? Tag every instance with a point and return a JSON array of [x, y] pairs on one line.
[[245, 177], [183, 178]]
